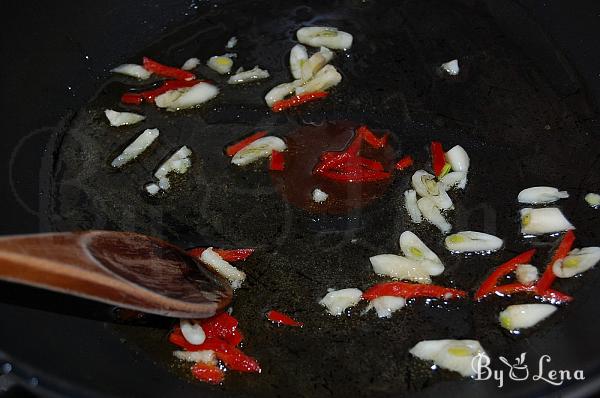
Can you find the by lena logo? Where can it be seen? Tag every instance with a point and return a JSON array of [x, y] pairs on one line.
[[520, 371]]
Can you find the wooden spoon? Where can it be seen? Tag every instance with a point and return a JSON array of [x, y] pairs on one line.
[[121, 268]]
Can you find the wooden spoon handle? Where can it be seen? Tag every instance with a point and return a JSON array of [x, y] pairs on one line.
[[63, 262]]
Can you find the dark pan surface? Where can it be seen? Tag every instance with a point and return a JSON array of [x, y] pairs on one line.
[[509, 114]]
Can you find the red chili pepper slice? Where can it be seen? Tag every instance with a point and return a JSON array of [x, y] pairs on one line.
[[491, 283], [438, 159], [150, 95], [412, 290], [551, 295], [167, 71], [238, 146], [220, 325], [357, 175], [234, 359], [282, 319], [208, 373], [404, 163], [561, 252], [235, 338], [277, 162], [229, 255], [371, 139], [298, 100], [555, 296]]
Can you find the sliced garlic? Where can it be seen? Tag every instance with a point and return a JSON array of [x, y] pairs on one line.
[[122, 118], [455, 355], [231, 42], [317, 36], [426, 186], [220, 63], [337, 301], [319, 196], [179, 162], [190, 64], [152, 188], [472, 241], [541, 195], [326, 78], [134, 149], [187, 97], [410, 202], [522, 316], [546, 220], [192, 331], [314, 64], [432, 214], [203, 356], [298, 56], [454, 179], [458, 158], [281, 91], [451, 67], [132, 70], [414, 248], [399, 267], [261, 148], [576, 262], [527, 274], [251, 75], [593, 199], [385, 306], [223, 268]]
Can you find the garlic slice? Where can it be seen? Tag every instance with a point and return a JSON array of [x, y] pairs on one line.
[[546, 220], [399, 267], [179, 162], [223, 268], [472, 241], [410, 202], [426, 186], [192, 331], [385, 306], [221, 64], [298, 56], [122, 118], [319, 196], [593, 199], [261, 148], [576, 262], [451, 67], [132, 70], [337, 301], [187, 97], [134, 149], [231, 42], [527, 274], [190, 64], [414, 248], [522, 316], [454, 179], [458, 158], [326, 78], [281, 91], [536, 195], [455, 355], [432, 214], [314, 64], [317, 36], [204, 356], [251, 75]]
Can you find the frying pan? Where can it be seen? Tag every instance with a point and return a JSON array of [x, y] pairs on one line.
[[524, 107]]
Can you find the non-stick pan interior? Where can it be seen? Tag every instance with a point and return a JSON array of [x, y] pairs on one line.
[[521, 123]]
